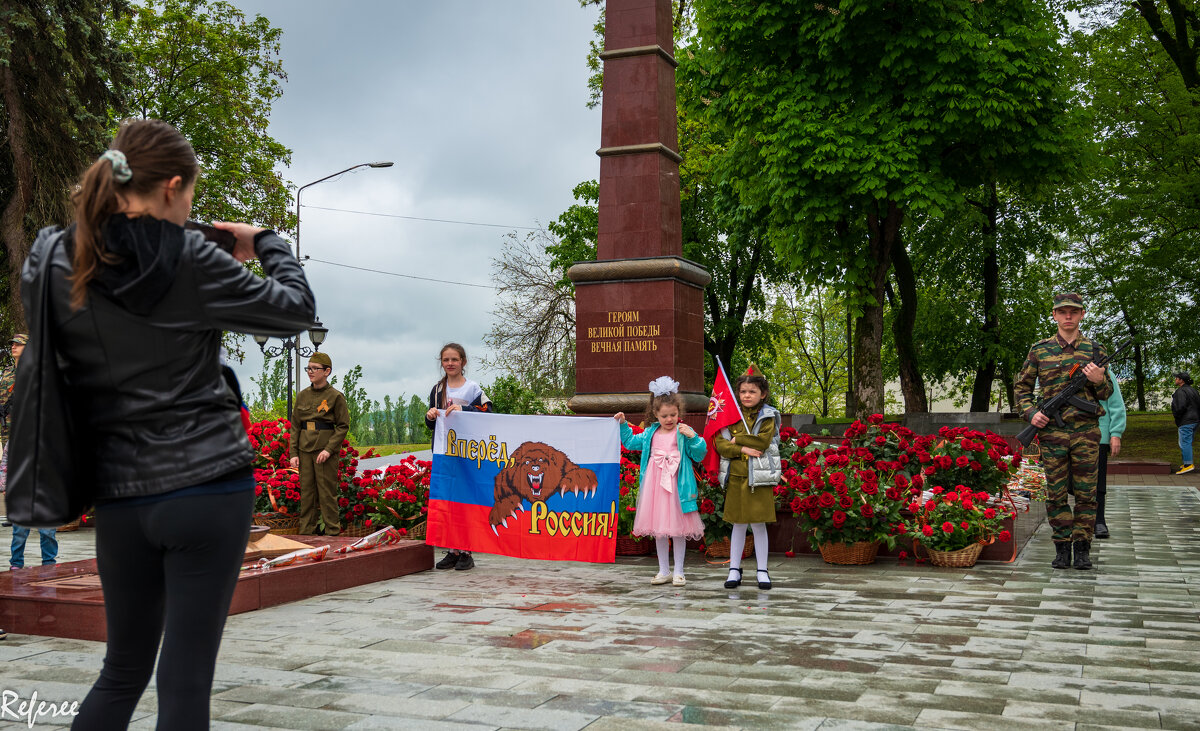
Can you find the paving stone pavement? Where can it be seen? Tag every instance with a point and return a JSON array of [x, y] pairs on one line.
[[523, 644]]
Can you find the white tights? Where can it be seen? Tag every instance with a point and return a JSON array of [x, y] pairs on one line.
[[663, 544], [737, 543]]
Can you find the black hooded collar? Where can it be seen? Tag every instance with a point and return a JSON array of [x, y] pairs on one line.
[[147, 252]]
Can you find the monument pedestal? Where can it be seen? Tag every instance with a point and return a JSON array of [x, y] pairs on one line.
[[638, 319]]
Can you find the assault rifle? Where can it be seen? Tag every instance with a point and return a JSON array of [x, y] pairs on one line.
[[1052, 407]]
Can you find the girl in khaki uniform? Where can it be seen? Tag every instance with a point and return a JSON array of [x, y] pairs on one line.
[[747, 476]]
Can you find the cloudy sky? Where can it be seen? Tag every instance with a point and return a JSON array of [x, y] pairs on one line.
[[482, 107]]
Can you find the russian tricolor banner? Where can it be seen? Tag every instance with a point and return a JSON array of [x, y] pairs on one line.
[[541, 487]]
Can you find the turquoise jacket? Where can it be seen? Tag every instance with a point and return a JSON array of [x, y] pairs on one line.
[[1112, 421], [690, 450]]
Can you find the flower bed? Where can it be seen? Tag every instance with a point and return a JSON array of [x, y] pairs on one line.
[[362, 501]]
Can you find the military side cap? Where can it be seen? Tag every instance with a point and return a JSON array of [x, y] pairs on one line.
[[321, 359], [20, 339], [1068, 299]]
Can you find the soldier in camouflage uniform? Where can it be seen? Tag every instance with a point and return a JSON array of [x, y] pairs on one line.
[[1069, 453]]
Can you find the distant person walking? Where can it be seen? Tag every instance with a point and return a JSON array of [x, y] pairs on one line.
[[48, 537], [1112, 428], [1185, 407], [455, 392], [320, 422]]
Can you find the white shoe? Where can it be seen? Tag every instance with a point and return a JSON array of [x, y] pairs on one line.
[[660, 579], [679, 580]]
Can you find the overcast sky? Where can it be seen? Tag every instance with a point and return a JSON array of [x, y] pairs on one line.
[[482, 107]]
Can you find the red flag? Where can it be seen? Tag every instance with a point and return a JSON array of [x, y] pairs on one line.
[[723, 411]]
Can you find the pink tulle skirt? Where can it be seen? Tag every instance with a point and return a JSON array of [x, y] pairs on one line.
[[659, 513]]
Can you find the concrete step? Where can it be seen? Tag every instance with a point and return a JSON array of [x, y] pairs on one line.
[[1147, 467]]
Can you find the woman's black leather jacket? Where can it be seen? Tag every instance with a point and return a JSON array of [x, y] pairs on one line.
[[143, 354]]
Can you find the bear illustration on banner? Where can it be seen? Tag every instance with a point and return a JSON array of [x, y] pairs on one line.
[[533, 472]]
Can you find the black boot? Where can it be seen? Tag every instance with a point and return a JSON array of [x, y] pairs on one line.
[[1062, 555], [1101, 525], [1082, 559]]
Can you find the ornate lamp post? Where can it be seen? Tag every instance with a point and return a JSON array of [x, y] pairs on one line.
[[379, 164], [316, 334]]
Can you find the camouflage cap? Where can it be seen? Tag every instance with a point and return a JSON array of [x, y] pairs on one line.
[[20, 339], [321, 359], [1068, 299]]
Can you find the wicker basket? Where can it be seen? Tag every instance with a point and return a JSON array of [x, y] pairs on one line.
[[720, 549], [417, 532], [279, 523], [961, 558], [73, 525], [630, 546], [356, 529], [862, 552]]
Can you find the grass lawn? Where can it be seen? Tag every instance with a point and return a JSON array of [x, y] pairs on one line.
[[384, 450], [1150, 436]]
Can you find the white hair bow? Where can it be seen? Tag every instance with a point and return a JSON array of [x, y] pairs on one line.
[[664, 385]]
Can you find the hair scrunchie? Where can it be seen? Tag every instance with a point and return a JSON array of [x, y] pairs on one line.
[[121, 171]]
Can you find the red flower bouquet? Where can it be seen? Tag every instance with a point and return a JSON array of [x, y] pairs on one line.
[[953, 519], [851, 494], [962, 456], [277, 491], [397, 496]]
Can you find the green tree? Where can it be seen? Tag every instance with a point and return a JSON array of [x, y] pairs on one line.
[[1132, 219], [509, 396], [358, 404], [415, 418], [844, 120], [809, 371], [60, 75], [272, 387], [213, 74]]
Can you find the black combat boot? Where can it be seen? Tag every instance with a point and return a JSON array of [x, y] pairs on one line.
[[1082, 559], [1062, 555]]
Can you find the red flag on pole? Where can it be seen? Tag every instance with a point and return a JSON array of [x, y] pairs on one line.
[[723, 411]]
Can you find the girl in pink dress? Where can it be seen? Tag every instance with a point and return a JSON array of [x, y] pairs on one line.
[[666, 507]]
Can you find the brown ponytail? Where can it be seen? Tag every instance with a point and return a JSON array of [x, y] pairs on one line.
[[155, 152]]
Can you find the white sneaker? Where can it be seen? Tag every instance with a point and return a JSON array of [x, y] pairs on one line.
[[1185, 469], [679, 580], [660, 579]]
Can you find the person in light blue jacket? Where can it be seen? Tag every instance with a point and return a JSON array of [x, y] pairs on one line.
[[1112, 427]]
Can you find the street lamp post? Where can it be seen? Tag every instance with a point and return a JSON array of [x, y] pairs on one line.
[[290, 346], [378, 164]]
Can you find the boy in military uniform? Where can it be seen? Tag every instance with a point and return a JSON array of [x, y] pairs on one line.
[[320, 421], [1070, 452]]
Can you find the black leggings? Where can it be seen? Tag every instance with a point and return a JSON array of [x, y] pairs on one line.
[[172, 563]]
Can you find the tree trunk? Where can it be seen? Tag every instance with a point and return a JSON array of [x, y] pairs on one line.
[[912, 385], [849, 364], [868, 328], [1009, 388], [12, 220], [1139, 376], [985, 374]]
